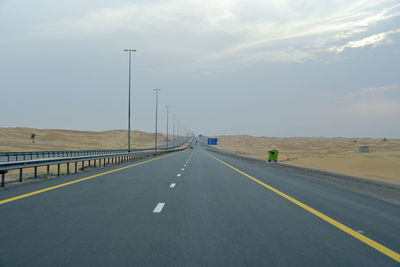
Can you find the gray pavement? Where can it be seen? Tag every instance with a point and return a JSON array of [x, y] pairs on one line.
[[213, 216]]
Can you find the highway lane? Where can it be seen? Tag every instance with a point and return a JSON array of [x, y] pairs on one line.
[[156, 214]]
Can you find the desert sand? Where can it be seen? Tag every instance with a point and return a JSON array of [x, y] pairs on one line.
[[19, 139], [339, 155]]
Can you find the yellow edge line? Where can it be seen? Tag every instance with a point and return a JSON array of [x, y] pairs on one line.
[[77, 181], [388, 252]]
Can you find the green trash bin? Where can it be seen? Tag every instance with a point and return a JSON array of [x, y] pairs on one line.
[[273, 155]]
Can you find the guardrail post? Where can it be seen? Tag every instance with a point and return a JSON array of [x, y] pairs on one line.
[[67, 167], [58, 169], [35, 172], [3, 174], [76, 166], [20, 175], [48, 169]]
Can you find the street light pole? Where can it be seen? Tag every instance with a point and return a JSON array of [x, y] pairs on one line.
[[129, 99], [178, 137], [156, 133], [167, 106], [173, 132]]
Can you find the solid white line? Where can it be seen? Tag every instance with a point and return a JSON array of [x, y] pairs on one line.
[[158, 208], [172, 185], [179, 174]]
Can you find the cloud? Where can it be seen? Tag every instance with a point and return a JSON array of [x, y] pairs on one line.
[[375, 91], [254, 30], [373, 103], [371, 111], [372, 40]]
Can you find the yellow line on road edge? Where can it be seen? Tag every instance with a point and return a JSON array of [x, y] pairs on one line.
[[77, 181], [388, 252]]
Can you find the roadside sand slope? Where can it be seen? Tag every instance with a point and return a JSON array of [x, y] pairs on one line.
[[339, 155], [19, 139]]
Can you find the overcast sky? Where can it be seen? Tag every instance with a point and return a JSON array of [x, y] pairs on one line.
[[265, 68]]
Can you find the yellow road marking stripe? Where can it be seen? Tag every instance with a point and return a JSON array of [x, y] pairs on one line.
[[388, 252], [77, 181]]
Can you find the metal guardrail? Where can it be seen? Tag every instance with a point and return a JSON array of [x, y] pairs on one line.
[[16, 156], [98, 160]]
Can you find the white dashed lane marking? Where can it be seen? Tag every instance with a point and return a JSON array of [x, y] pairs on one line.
[[172, 185], [179, 174], [158, 208]]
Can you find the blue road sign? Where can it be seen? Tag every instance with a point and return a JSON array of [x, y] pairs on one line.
[[212, 141]]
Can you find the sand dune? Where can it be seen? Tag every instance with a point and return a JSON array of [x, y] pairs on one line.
[[19, 139], [338, 155]]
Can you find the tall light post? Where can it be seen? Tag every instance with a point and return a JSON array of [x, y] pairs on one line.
[[178, 137], [129, 99], [173, 132], [167, 106], [156, 132]]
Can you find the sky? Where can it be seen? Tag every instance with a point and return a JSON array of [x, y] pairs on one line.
[[264, 68]]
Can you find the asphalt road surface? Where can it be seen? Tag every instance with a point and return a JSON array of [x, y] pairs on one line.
[[194, 208]]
